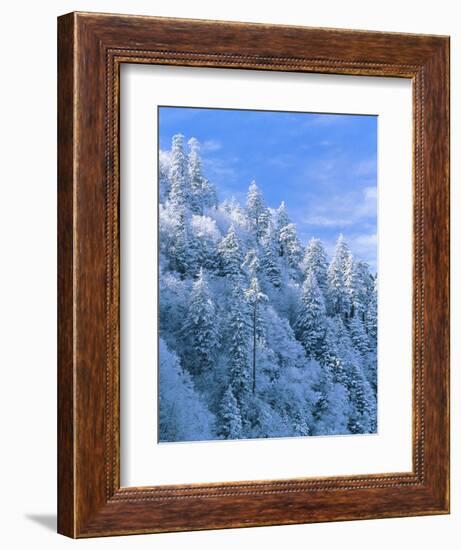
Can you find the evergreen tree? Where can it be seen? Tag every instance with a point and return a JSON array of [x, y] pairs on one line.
[[359, 284], [179, 192], [269, 261], [256, 211], [200, 329], [230, 255], [282, 220], [203, 193], [164, 167], [371, 318], [180, 254], [290, 248], [229, 419], [363, 405], [358, 335], [251, 262], [315, 261], [182, 414], [287, 240], [310, 324], [361, 400], [239, 324], [254, 297], [331, 357], [338, 273], [204, 236]]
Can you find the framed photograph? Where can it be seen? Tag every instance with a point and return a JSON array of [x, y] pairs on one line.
[[253, 275]]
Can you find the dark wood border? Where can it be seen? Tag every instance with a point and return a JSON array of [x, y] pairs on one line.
[[91, 49]]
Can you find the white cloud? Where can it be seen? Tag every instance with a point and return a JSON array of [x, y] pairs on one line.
[[346, 209], [219, 168], [364, 246], [210, 145]]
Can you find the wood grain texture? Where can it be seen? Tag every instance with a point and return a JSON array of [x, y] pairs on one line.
[[91, 49]]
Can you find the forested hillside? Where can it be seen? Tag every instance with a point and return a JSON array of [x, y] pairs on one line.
[[260, 335]]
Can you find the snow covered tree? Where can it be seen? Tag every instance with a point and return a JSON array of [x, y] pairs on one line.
[[359, 284], [180, 256], [336, 341], [349, 372], [358, 335], [287, 240], [229, 419], [164, 168], [200, 328], [363, 405], [290, 248], [257, 212], [235, 212], [204, 237], [269, 261], [179, 178], [282, 219], [182, 414], [310, 324], [239, 324], [203, 193], [371, 317], [254, 297], [230, 255], [331, 410], [251, 262], [315, 261], [338, 273]]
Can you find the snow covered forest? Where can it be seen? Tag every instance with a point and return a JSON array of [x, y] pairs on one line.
[[260, 335]]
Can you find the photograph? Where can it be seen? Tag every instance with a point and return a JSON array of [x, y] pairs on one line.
[[267, 274]]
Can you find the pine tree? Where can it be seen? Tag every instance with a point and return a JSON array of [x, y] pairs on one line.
[[290, 248], [195, 177], [358, 335], [363, 405], [200, 329], [239, 346], [315, 261], [371, 317], [256, 211], [229, 419], [251, 262], [179, 192], [359, 284], [286, 238], [164, 168], [202, 244], [269, 261], [182, 414], [230, 255], [338, 273], [282, 219], [203, 193], [310, 324], [331, 357], [254, 297], [180, 255]]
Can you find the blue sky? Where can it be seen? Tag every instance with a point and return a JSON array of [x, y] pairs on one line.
[[324, 166]]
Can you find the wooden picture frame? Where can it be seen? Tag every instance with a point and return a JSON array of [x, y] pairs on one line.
[[91, 48]]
